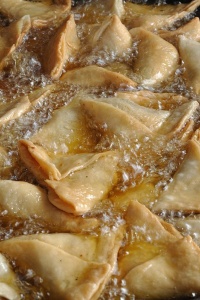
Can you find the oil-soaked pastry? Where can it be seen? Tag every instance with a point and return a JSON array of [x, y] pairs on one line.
[[122, 125], [41, 14], [80, 265], [112, 36], [168, 268], [116, 7], [145, 193], [64, 44], [11, 37], [178, 118], [131, 120], [8, 281], [189, 225], [156, 60], [138, 216], [80, 279], [154, 100], [11, 111], [189, 53], [56, 167], [94, 76], [146, 232], [75, 183], [182, 193], [24, 200], [152, 256], [37, 96], [154, 17], [190, 30], [151, 118], [66, 131], [79, 192]]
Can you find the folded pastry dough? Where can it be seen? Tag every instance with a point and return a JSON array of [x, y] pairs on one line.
[[115, 7], [122, 125], [190, 30], [178, 118], [37, 96], [80, 265], [41, 14], [8, 281], [176, 269], [182, 194], [154, 100], [134, 121], [112, 36], [156, 59], [154, 17], [151, 118], [24, 200], [144, 225], [15, 109], [148, 235], [75, 182], [189, 53], [189, 225], [65, 131], [94, 76], [58, 166], [157, 253], [61, 46], [79, 192], [11, 37]]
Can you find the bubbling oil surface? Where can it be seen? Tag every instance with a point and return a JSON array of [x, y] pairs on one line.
[[23, 75]]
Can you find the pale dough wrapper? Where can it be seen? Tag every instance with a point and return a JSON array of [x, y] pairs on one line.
[[182, 194], [190, 30], [15, 109], [189, 225], [112, 36], [157, 253], [62, 45], [154, 100], [179, 276], [41, 14], [79, 192], [151, 118], [132, 121], [8, 281], [80, 265], [75, 182], [122, 124], [94, 76], [24, 200], [156, 60], [115, 7], [152, 17], [11, 37], [65, 131], [189, 53]]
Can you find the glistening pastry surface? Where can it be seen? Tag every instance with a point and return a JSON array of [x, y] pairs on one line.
[[99, 155]]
